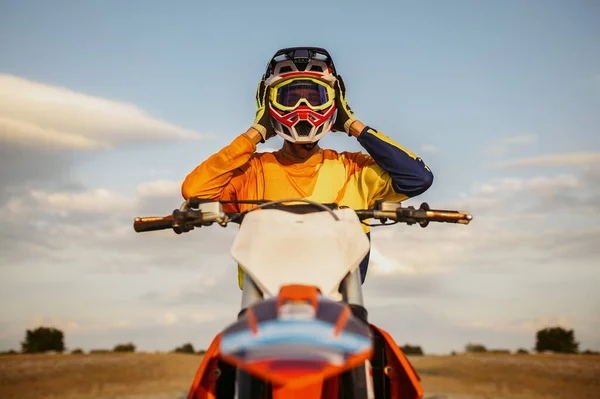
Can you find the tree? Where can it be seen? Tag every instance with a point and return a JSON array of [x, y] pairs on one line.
[[556, 339], [590, 352], [475, 348], [185, 348], [499, 351], [43, 339], [128, 347], [412, 350], [77, 351], [522, 351], [99, 351]]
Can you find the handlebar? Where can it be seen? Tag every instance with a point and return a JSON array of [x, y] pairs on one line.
[[409, 215], [152, 223], [197, 212]]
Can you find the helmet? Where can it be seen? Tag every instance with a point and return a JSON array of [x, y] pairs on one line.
[[302, 97]]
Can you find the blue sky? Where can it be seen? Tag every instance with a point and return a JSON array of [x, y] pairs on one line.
[[468, 85]]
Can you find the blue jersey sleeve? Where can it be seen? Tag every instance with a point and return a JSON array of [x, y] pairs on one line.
[[409, 174]]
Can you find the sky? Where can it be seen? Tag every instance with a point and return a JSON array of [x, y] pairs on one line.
[[105, 107]]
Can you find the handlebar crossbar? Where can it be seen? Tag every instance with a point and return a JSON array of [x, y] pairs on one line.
[[196, 213]]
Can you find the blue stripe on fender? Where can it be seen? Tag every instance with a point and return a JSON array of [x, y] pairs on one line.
[[410, 175]]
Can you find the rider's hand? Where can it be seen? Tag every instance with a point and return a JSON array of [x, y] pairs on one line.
[[345, 117], [262, 122]]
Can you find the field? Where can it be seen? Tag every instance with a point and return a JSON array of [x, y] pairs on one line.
[[168, 376]]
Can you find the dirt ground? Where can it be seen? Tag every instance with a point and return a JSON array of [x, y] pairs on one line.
[[510, 376], [168, 376]]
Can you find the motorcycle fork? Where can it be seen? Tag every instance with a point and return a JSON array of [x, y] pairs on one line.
[[354, 384], [248, 386], [358, 382]]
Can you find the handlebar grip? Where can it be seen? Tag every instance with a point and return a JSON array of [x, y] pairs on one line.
[[152, 223], [435, 215]]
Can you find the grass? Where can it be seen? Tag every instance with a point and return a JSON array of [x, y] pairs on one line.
[[162, 376]]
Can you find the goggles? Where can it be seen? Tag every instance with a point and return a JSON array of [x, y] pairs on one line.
[[314, 93]]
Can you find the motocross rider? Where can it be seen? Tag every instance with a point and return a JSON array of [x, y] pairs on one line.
[[301, 98]]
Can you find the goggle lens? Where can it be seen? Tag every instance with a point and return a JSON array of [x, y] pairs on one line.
[[314, 93]]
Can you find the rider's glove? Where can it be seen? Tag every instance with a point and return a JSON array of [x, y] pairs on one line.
[[262, 122], [345, 116]]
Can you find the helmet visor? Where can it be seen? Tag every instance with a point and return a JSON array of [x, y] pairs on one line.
[[289, 95]]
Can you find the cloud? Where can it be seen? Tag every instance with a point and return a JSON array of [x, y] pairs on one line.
[[429, 148], [530, 254], [523, 139], [158, 197], [59, 227], [524, 325], [501, 146], [555, 160], [540, 219], [42, 125], [22, 169], [444, 276], [207, 287], [56, 248], [36, 115], [266, 149], [162, 331], [379, 264], [577, 192], [23, 132], [383, 290], [93, 201], [169, 318], [433, 325], [150, 335], [70, 326], [155, 196], [160, 188]]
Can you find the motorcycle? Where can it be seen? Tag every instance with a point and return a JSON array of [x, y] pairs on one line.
[[303, 330]]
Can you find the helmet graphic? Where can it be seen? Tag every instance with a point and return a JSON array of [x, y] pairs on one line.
[[302, 99]]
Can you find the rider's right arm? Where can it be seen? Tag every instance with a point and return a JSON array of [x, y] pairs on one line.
[[211, 178]]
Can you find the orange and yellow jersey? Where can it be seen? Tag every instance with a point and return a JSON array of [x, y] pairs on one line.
[[353, 179]]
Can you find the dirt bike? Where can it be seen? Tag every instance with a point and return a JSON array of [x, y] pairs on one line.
[[303, 330]]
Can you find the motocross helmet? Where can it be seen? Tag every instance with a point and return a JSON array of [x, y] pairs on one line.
[[302, 97]]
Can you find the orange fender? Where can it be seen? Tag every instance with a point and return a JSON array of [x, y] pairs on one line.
[[404, 380], [204, 385]]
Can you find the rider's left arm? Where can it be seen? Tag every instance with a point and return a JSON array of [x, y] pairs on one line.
[[401, 169]]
